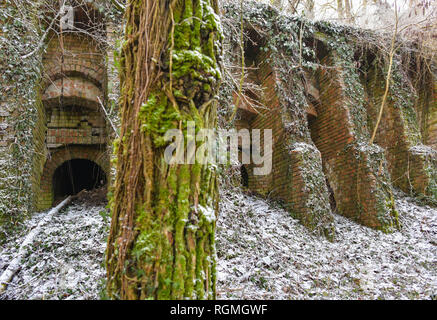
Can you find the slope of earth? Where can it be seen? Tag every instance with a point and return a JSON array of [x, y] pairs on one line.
[[263, 254], [266, 254], [66, 258]]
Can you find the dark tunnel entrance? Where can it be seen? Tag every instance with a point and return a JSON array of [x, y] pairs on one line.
[[75, 175]]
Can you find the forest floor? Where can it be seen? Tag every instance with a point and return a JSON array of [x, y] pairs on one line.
[[263, 253]]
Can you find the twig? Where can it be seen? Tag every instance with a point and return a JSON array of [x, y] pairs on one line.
[[240, 89], [300, 44], [109, 119], [43, 38], [387, 80], [118, 5]]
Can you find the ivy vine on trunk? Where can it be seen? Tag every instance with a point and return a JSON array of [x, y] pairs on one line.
[[161, 243]]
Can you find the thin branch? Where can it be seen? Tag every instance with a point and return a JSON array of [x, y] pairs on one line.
[[23, 252], [118, 5], [240, 89], [109, 119], [388, 78], [43, 38]]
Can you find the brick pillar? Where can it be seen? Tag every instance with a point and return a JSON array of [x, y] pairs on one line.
[[76, 129], [297, 178], [355, 170], [432, 116], [412, 165]]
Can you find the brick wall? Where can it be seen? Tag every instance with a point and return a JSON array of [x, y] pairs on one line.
[[294, 162], [347, 158], [39, 137], [21, 144], [431, 129], [82, 57], [410, 163], [74, 124], [76, 91]]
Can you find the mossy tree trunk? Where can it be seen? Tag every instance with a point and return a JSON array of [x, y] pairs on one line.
[[161, 242]]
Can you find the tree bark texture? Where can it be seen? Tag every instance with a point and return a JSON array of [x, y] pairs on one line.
[[161, 243]]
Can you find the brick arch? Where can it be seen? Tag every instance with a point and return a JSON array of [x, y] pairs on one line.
[[59, 157], [68, 73], [77, 91], [81, 57]]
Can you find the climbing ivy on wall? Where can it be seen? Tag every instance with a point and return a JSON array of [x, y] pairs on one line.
[[22, 44], [292, 44], [19, 103], [282, 42]]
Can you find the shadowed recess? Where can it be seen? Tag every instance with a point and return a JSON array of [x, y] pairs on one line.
[[76, 175]]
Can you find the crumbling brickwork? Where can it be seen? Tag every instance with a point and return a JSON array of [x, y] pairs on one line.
[[412, 164], [321, 156], [75, 125], [74, 88], [294, 161], [346, 155], [358, 175], [431, 118], [81, 57]]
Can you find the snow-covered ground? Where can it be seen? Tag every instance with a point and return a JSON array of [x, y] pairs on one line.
[[263, 254], [266, 254], [66, 260]]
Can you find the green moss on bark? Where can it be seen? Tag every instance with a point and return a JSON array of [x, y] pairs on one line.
[[163, 248]]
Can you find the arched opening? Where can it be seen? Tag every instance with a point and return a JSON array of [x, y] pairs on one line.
[[76, 175]]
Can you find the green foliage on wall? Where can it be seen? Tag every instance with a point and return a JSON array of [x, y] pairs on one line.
[[19, 100]]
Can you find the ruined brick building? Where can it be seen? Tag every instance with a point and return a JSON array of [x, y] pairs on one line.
[[69, 131], [322, 159], [74, 128]]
